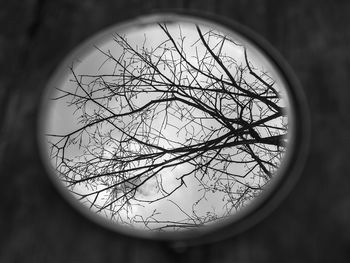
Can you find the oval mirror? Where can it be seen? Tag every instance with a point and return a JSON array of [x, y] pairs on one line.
[[168, 124]]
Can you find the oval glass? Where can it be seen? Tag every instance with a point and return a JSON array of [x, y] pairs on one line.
[[167, 124]]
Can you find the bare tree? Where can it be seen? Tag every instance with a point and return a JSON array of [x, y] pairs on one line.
[[215, 123]]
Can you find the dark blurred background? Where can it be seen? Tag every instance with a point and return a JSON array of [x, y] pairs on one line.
[[311, 225]]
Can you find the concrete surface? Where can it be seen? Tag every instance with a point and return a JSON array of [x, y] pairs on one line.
[[311, 225]]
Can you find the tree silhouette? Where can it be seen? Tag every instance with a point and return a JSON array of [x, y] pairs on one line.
[[170, 119]]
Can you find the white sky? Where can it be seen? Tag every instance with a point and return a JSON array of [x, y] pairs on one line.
[[61, 120]]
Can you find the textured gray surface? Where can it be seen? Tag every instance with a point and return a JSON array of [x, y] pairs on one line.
[[311, 225]]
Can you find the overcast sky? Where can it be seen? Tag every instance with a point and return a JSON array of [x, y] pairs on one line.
[[61, 119]]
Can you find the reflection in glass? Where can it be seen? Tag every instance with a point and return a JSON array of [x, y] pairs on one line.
[[169, 127]]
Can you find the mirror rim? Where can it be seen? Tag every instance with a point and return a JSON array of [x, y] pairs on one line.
[[288, 173]]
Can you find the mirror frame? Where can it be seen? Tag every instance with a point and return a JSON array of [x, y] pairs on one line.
[[295, 156]]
